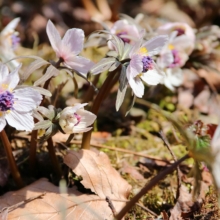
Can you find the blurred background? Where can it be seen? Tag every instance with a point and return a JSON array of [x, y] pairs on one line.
[[82, 13]]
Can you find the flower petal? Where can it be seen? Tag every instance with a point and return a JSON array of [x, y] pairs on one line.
[[4, 72], [87, 118], [152, 77], [54, 36], [80, 64], [135, 67], [73, 40], [81, 130], [13, 78], [10, 26], [155, 44], [20, 121], [137, 86], [26, 99]]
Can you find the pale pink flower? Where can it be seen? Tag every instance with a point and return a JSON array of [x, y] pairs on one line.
[[68, 48], [75, 119], [185, 34], [142, 66], [16, 105], [129, 33]]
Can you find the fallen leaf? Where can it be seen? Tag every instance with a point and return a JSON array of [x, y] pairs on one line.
[[42, 200], [98, 174]]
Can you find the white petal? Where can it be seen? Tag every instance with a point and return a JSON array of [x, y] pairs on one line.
[[81, 130], [165, 59], [73, 40], [26, 99], [2, 123], [155, 44], [87, 118], [80, 64], [152, 77], [54, 36], [20, 121], [4, 73], [137, 86], [13, 78]]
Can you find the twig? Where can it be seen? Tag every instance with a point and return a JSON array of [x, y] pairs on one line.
[[122, 150], [178, 172], [149, 186], [111, 206]]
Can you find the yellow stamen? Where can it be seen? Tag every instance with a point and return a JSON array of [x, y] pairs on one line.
[[170, 46], [4, 86], [143, 51]]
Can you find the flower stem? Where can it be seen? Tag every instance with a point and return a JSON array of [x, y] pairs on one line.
[[103, 92], [11, 160], [53, 158], [149, 186]]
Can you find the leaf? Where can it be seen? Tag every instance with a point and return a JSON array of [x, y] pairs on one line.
[[114, 66], [48, 113], [103, 65], [98, 174], [32, 67], [42, 200], [42, 124], [51, 71]]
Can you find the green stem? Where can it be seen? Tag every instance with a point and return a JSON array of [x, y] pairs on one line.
[[149, 186], [11, 160], [53, 158], [103, 92]]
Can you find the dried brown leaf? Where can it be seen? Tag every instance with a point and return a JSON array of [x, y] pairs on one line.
[[98, 174], [42, 200]]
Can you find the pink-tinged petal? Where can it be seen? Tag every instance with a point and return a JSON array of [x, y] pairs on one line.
[[152, 77], [135, 48], [87, 118], [2, 123], [155, 44], [137, 86], [54, 36], [26, 99], [135, 67], [73, 40], [165, 59], [4, 72], [80, 64], [183, 43], [20, 121], [13, 78], [10, 26]]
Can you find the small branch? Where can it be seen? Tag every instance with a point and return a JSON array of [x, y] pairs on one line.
[[178, 171], [53, 158], [111, 206], [11, 160], [149, 186], [33, 150]]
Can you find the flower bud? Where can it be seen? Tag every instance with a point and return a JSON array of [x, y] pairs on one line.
[[75, 119]]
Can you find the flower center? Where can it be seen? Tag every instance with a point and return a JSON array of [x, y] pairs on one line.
[[176, 59], [6, 101], [15, 40], [78, 118], [119, 34], [180, 31], [147, 63]]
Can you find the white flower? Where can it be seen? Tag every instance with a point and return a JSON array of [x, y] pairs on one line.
[[16, 105], [9, 40], [75, 119], [142, 66]]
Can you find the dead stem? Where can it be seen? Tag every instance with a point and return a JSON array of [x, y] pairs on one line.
[[11, 160], [149, 186], [178, 171]]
